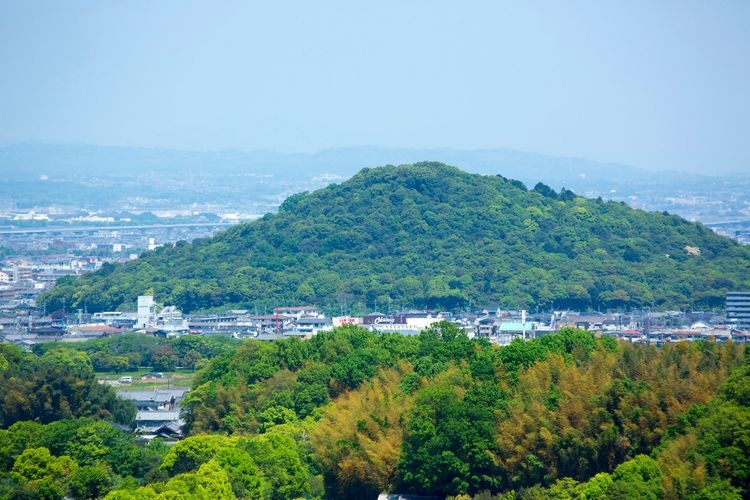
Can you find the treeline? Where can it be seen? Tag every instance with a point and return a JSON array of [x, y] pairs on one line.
[[429, 235], [351, 413], [130, 351]]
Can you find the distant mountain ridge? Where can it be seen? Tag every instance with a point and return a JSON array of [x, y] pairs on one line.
[[108, 178], [28, 161], [430, 235]]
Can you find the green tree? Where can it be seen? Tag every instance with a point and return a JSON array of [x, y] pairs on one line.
[[90, 481]]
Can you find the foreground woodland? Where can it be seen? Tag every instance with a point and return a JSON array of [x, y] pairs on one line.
[[351, 413]]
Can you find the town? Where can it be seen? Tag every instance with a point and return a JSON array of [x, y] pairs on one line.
[[158, 408], [24, 325]]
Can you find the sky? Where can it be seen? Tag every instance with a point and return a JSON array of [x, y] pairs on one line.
[[657, 85]]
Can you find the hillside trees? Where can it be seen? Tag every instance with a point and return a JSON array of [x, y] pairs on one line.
[[60, 384], [429, 235], [468, 416]]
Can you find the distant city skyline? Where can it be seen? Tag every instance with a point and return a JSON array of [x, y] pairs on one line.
[[659, 86]]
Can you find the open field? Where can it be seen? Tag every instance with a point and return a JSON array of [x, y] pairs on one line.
[[177, 378]]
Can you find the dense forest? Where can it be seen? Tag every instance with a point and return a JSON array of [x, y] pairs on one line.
[[429, 235], [351, 413]]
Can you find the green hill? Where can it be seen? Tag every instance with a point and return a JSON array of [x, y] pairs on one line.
[[430, 235]]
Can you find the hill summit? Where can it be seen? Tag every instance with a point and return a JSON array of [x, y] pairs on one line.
[[430, 235]]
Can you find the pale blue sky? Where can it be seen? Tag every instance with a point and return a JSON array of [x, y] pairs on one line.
[[655, 84]]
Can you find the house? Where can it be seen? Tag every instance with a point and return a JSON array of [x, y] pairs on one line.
[[298, 312], [87, 332], [516, 328], [687, 335], [171, 430], [633, 336], [486, 326], [153, 423], [312, 325], [657, 337], [158, 412], [156, 400]]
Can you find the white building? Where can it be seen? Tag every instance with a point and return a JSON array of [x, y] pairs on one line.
[[146, 311]]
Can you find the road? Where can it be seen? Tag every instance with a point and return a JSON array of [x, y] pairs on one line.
[[59, 229]]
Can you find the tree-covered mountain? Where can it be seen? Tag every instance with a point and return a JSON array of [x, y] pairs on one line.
[[430, 235]]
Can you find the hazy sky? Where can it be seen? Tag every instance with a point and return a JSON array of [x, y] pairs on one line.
[[655, 84]]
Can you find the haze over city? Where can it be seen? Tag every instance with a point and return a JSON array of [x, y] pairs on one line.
[[660, 86], [398, 250]]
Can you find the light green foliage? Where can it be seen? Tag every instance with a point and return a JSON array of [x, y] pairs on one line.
[[142, 493], [91, 481], [596, 487], [37, 472], [213, 482], [276, 415], [639, 478], [245, 477], [278, 457], [191, 453]]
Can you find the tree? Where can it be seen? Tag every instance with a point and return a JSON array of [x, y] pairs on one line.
[[637, 478], [37, 472], [448, 445], [192, 452], [359, 437], [90, 481], [279, 459], [164, 358]]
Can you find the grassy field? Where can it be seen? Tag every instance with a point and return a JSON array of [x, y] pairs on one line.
[[178, 378]]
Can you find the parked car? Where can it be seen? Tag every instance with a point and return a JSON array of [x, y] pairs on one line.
[[126, 380]]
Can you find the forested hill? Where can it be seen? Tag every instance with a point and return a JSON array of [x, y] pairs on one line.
[[430, 235]]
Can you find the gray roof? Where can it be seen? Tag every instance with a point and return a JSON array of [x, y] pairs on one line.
[[156, 395], [136, 395], [157, 416], [313, 321]]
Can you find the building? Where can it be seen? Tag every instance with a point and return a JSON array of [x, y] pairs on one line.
[[154, 400], [146, 311], [158, 412], [738, 310]]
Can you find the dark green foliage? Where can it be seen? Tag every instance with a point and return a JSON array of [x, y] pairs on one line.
[[429, 235], [570, 342], [58, 385], [80, 458], [724, 433], [129, 351], [448, 444]]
